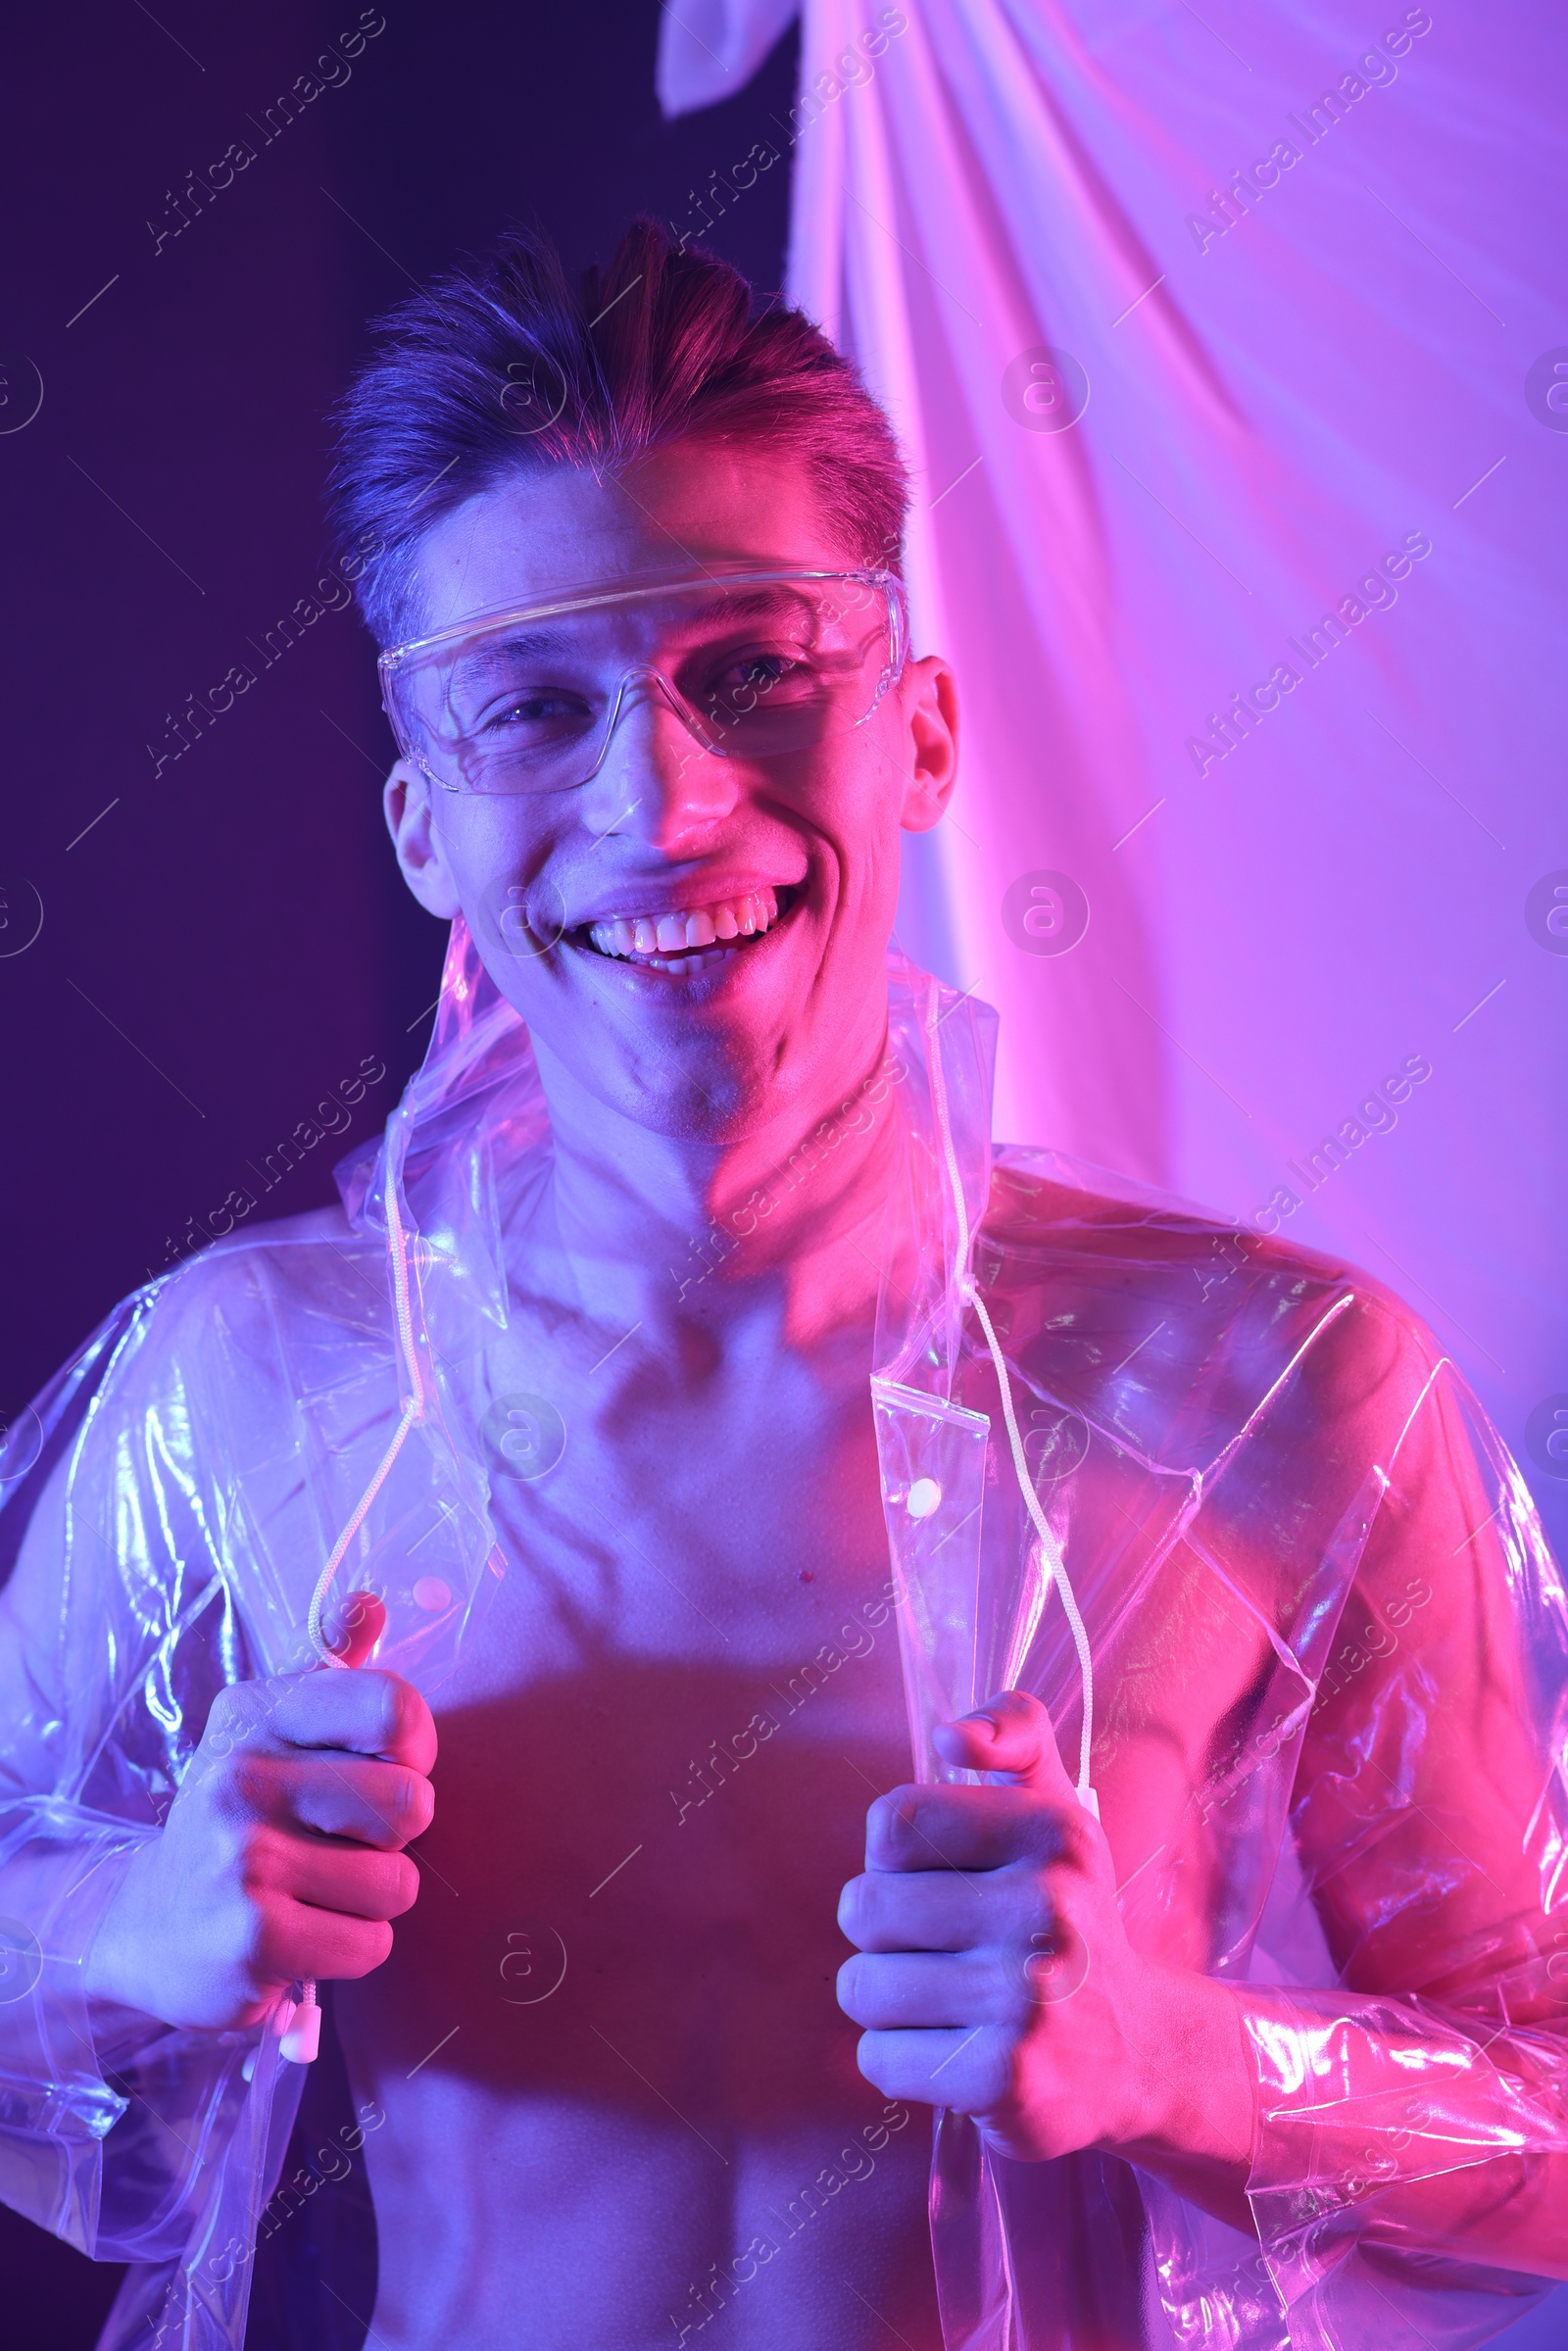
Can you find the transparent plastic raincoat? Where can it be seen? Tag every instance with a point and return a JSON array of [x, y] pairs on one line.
[[1328, 1650]]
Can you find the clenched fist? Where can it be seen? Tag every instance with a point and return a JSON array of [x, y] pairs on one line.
[[280, 1857], [995, 1975]]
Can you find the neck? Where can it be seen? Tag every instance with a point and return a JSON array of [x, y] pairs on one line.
[[652, 1227]]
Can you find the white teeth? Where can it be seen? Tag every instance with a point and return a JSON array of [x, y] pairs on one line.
[[686, 934]]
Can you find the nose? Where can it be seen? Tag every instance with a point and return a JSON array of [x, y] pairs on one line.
[[656, 782]]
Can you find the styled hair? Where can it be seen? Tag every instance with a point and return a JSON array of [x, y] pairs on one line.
[[497, 369]]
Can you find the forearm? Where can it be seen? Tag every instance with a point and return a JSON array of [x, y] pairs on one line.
[[1326, 2114], [62, 1876], [1410, 2125], [60, 1873], [110, 2119]]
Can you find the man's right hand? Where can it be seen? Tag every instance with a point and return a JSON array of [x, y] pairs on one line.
[[282, 1856]]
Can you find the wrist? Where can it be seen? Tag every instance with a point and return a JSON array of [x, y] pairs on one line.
[[111, 1975], [1190, 2089], [1160, 2031]]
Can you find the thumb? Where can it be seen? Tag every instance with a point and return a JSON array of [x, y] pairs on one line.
[[361, 1623], [1012, 1734]]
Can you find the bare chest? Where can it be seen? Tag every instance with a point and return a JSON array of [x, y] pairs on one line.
[[656, 1761], [657, 1750]]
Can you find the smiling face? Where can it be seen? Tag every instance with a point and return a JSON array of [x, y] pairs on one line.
[[699, 938]]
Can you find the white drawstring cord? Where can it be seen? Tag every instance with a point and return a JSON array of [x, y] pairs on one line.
[[323, 1582], [412, 1410], [302, 2035], [1053, 1568]]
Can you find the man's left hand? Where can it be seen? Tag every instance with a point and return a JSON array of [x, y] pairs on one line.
[[993, 1974]]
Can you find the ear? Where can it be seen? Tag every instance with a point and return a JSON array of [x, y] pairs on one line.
[[410, 821], [931, 707]]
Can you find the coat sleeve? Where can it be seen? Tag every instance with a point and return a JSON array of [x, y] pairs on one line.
[[116, 1628], [1411, 2122]]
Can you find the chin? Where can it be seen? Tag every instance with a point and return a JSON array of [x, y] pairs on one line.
[[705, 1097]]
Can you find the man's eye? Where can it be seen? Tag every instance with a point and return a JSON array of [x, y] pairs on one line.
[[541, 707], [755, 675]]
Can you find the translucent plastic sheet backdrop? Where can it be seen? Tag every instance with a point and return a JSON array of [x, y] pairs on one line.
[[1303, 1561]]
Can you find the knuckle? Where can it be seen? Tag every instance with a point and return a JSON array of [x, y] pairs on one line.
[[233, 1787], [392, 1711], [223, 1714], [874, 2056], [1012, 1995], [892, 1821], [370, 1947], [995, 2070], [1032, 1909], [1050, 1835], [403, 1886], [852, 1907], [248, 1784], [253, 1942], [230, 1716], [1017, 1707], [255, 1864], [413, 1803]]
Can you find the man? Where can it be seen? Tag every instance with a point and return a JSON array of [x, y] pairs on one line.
[[683, 1293]]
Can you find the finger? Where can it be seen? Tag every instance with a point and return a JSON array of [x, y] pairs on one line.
[[346, 1879], [972, 2071], [341, 1795], [929, 1988], [370, 1712], [1010, 1732], [967, 1828], [943, 1910], [324, 1944]]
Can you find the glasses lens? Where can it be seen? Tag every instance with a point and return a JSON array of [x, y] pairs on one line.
[[753, 669]]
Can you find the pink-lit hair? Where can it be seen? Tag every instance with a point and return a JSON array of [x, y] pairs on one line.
[[498, 368]]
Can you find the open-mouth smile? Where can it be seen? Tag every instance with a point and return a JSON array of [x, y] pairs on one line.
[[692, 939]]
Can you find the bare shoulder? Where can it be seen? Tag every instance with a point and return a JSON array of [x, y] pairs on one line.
[[1348, 1360]]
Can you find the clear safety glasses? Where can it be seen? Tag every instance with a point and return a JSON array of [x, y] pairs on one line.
[[754, 665]]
